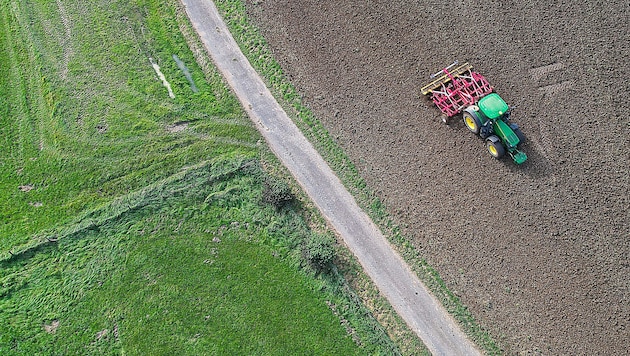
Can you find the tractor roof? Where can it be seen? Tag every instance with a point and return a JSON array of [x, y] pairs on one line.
[[492, 106]]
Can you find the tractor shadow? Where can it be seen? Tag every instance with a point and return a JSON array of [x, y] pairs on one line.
[[537, 166]]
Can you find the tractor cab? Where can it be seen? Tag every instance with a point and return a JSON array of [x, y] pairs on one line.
[[493, 106]]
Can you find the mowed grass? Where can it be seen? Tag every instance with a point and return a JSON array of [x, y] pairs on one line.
[[87, 117], [132, 222]]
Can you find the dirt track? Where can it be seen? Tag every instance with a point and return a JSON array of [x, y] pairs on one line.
[[540, 252]]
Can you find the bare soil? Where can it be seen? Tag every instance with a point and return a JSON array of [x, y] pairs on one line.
[[538, 252]]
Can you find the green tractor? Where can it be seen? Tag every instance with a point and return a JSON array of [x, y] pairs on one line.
[[485, 113], [490, 120]]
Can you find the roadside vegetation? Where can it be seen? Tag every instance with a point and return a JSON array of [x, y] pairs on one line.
[[253, 45], [141, 211]]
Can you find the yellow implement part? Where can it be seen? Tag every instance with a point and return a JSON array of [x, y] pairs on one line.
[[445, 78]]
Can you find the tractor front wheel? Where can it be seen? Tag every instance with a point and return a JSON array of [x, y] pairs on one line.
[[494, 146], [472, 121], [518, 132]]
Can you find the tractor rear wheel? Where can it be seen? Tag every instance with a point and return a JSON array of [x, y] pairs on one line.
[[472, 121], [495, 147]]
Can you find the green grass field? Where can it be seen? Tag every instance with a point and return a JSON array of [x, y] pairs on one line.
[[133, 222]]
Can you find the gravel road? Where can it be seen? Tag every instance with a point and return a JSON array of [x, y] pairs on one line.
[[393, 278]]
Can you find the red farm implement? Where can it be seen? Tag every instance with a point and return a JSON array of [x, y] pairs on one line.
[[454, 89]]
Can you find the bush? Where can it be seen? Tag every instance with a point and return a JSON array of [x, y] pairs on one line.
[[276, 192], [318, 251]]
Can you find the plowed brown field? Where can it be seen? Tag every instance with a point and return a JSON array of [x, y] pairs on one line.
[[538, 252]]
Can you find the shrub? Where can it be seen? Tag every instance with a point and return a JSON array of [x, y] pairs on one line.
[[318, 251], [276, 192]]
